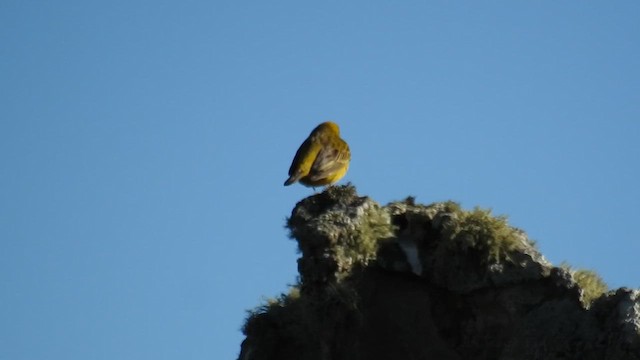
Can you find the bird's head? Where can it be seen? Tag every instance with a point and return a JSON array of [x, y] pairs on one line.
[[327, 127]]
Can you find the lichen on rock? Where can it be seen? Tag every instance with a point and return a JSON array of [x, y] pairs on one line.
[[336, 231]]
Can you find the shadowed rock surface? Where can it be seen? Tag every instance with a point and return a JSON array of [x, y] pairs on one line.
[[409, 281]]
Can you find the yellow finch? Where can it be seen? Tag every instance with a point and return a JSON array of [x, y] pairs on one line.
[[322, 159]]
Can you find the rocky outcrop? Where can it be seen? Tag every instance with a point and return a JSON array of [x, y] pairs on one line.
[[409, 281]]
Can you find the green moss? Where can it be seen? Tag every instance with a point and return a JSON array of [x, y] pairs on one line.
[[451, 207], [305, 323], [283, 299], [479, 229], [591, 284], [273, 305], [285, 317]]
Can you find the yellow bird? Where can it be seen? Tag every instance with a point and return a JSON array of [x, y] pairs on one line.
[[322, 159]]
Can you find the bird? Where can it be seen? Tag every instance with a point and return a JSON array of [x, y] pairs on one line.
[[322, 159]]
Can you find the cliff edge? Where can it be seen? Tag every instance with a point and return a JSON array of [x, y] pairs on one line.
[[411, 281]]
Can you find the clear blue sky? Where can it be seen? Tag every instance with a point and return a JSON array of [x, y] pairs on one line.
[[143, 147]]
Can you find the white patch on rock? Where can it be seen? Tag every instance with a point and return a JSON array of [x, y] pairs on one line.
[[629, 314], [411, 252]]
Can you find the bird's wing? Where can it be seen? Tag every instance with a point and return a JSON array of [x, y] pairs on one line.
[[305, 156], [329, 160]]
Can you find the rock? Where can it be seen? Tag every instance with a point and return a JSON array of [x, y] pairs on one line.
[[410, 281]]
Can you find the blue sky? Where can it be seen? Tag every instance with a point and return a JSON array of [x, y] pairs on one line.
[[144, 145]]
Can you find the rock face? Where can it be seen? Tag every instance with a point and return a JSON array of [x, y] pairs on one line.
[[408, 281]]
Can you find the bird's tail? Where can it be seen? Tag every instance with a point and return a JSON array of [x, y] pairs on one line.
[[290, 180]]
